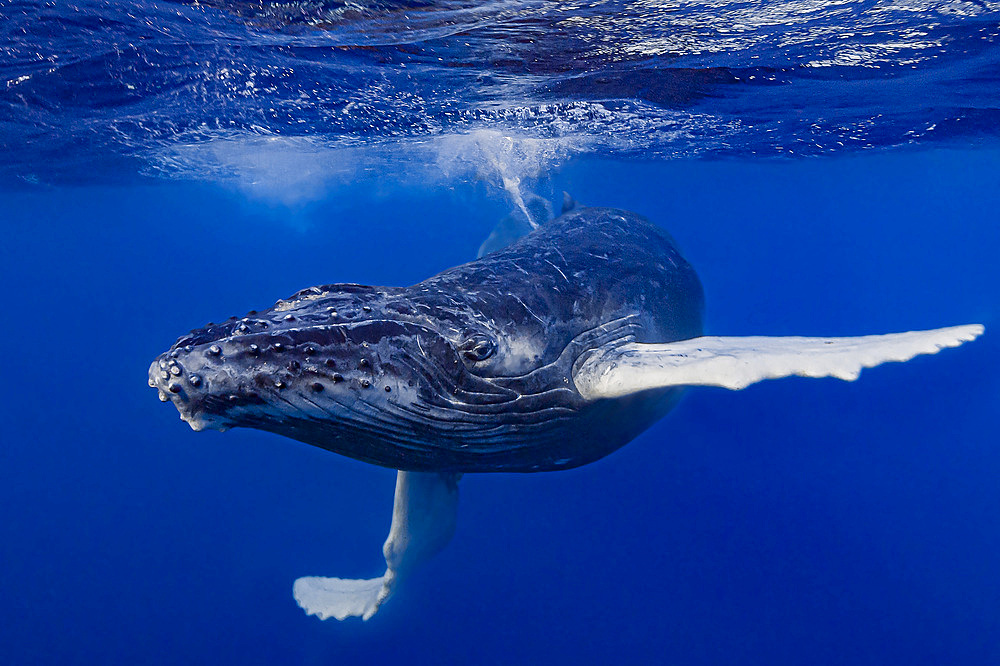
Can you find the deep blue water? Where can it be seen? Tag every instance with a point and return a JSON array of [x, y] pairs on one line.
[[148, 189], [796, 521]]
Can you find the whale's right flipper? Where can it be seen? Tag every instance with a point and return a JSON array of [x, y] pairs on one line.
[[737, 362], [423, 521]]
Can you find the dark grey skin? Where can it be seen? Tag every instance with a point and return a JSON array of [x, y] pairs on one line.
[[468, 371]]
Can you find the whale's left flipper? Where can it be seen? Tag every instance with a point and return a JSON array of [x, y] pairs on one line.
[[737, 362], [423, 521]]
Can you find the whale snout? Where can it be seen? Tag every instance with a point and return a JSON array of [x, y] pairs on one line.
[[281, 380], [192, 383]]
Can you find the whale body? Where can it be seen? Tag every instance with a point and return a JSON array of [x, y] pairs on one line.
[[468, 371], [547, 354]]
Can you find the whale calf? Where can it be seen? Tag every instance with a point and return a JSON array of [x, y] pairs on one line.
[[546, 354]]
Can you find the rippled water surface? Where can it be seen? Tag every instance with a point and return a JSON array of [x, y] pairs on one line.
[[89, 85]]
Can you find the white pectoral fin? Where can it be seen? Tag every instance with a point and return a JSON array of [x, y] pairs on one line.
[[737, 362], [339, 597], [423, 521]]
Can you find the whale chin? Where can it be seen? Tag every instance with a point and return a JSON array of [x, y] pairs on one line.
[[201, 419], [198, 411], [199, 422]]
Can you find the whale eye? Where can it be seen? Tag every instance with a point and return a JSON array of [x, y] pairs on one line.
[[478, 347]]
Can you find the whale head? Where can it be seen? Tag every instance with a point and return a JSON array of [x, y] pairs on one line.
[[364, 371]]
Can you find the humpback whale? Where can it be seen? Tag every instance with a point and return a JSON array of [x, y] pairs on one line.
[[543, 355]]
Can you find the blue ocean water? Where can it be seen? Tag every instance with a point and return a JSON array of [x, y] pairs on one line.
[[827, 169]]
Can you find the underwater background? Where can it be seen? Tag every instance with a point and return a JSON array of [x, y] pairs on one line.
[[828, 169]]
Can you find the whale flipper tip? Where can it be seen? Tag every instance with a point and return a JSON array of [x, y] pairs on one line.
[[339, 598]]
